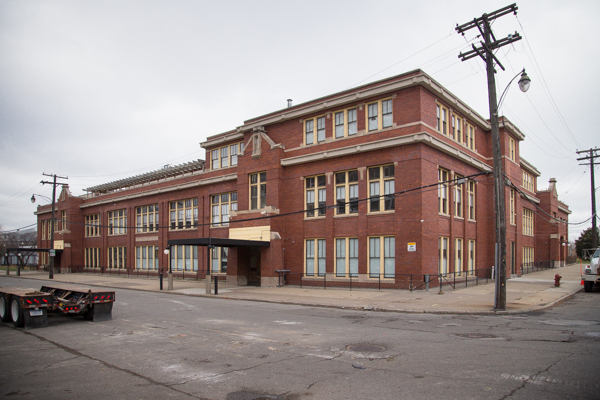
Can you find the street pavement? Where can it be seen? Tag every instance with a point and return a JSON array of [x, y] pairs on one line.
[[527, 293]]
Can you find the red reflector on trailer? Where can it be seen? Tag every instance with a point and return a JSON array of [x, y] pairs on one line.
[[29, 301]]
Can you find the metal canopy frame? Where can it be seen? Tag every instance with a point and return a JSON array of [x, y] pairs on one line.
[[168, 171], [219, 242]]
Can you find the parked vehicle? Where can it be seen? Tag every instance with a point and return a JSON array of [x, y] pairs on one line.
[[29, 308], [591, 273]]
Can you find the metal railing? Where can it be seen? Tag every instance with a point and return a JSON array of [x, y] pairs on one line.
[[410, 282]]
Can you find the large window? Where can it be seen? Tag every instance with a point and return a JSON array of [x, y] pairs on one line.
[[382, 253], [528, 182], [92, 225], [117, 222], [225, 156], [315, 195], [314, 130], [528, 255], [146, 257], [457, 129], [117, 257], [218, 260], [183, 214], [443, 191], [146, 218], [382, 178], [379, 115], [470, 139], [458, 256], [346, 257], [512, 149], [63, 220], [471, 266], [513, 207], [258, 190], [314, 260], [346, 192], [471, 197], [43, 229], [458, 196], [442, 119], [92, 257], [443, 255], [345, 123], [184, 258], [528, 216], [222, 204]]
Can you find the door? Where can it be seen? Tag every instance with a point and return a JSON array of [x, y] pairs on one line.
[[254, 267]]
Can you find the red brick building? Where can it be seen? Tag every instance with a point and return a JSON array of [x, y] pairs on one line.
[[370, 184]]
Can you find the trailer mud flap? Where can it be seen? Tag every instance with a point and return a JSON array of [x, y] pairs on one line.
[[35, 321], [102, 312]]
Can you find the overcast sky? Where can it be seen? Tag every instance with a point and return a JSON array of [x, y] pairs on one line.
[[103, 90]]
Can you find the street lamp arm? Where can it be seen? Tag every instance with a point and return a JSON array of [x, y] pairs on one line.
[[524, 83], [40, 195]]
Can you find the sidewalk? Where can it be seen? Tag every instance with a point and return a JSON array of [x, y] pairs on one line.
[[530, 292]]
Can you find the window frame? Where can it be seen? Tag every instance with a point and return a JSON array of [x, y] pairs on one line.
[[458, 197], [318, 256], [528, 182], [458, 256], [377, 249], [471, 258], [471, 204], [318, 125], [443, 193], [350, 256], [261, 182], [470, 135], [346, 124], [219, 151], [443, 120], [528, 254], [512, 149], [348, 203], [318, 191], [145, 227], [528, 222], [443, 253], [92, 225], [116, 257], [143, 261], [380, 114], [184, 257], [386, 201], [175, 211], [91, 257], [512, 207], [120, 228], [231, 205], [219, 257]]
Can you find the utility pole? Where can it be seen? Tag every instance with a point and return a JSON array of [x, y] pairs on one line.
[[591, 156], [486, 52], [52, 220]]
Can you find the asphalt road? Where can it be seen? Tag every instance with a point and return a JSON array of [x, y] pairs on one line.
[[161, 345]]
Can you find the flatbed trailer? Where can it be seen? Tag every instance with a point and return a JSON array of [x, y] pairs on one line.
[[29, 308]]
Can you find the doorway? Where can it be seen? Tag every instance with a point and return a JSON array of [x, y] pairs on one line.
[[254, 267]]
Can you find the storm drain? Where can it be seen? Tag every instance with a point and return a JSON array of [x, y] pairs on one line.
[[365, 348], [476, 335]]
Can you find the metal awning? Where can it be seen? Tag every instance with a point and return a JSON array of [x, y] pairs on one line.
[[219, 242]]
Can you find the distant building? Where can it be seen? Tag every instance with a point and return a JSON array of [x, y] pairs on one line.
[[374, 183]]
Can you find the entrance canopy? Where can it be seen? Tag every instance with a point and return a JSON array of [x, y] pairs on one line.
[[219, 242]]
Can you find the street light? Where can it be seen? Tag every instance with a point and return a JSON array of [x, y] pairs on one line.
[[499, 206], [170, 279], [19, 262], [41, 195]]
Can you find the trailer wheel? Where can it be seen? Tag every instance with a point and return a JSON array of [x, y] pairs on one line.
[[17, 314], [4, 309], [588, 286], [89, 314]]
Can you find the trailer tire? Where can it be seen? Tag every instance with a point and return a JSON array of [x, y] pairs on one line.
[[588, 286], [89, 314], [4, 309], [17, 313]]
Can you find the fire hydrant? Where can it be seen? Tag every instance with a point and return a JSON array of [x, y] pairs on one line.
[[557, 280]]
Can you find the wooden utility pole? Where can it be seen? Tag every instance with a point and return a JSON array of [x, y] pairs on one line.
[[486, 52], [53, 221], [591, 155]]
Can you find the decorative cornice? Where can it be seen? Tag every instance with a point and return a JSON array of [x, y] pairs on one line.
[[219, 140], [529, 167]]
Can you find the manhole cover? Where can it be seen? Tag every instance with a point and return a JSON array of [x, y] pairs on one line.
[[365, 348], [476, 335]]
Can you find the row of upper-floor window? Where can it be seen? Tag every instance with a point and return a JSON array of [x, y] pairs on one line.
[[454, 126], [456, 186]]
